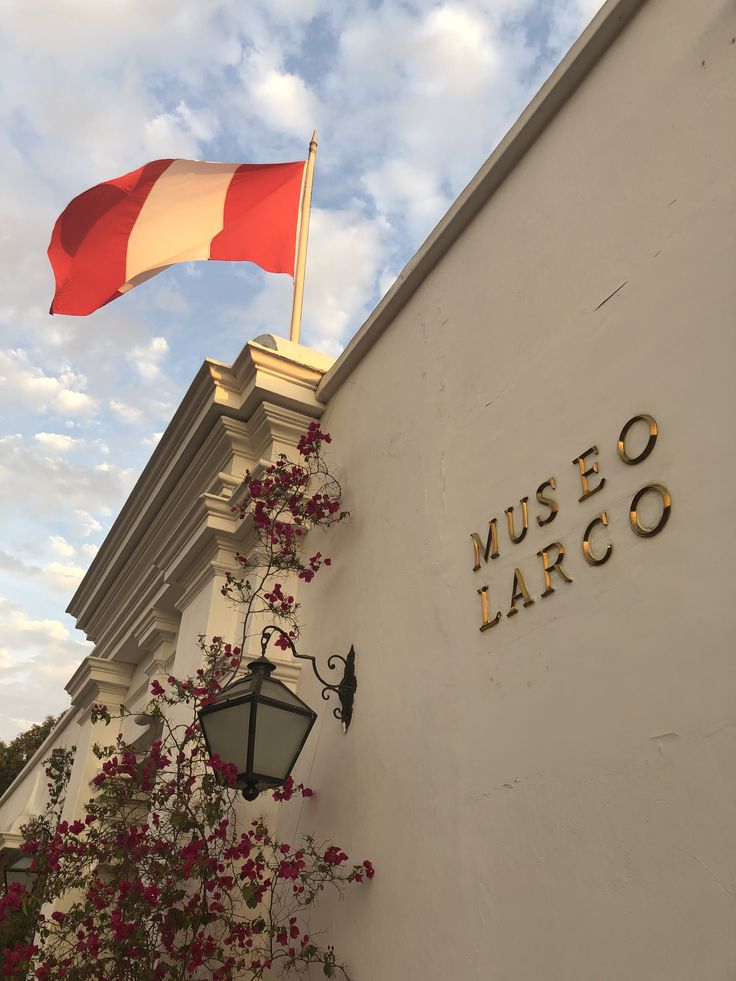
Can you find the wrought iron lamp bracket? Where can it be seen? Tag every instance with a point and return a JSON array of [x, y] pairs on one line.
[[345, 688]]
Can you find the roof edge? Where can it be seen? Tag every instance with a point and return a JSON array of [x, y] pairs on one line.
[[594, 41], [38, 756], [218, 389]]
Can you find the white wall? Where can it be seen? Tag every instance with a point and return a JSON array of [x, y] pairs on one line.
[[552, 798]]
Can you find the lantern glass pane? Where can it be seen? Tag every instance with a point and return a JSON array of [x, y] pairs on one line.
[[279, 692], [20, 871], [21, 864], [279, 735], [227, 733], [18, 875], [241, 687]]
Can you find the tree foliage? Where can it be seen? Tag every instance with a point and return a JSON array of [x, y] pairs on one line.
[[15, 754]]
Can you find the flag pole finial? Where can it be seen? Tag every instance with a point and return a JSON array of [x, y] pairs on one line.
[[301, 254]]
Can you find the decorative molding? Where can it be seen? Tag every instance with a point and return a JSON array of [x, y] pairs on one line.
[[99, 680], [219, 509], [10, 843], [152, 729], [282, 371], [275, 429], [156, 629], [224, 486], [193, 573], [209, 435]]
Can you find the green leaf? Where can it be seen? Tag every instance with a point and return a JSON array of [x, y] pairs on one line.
[[249, 896]]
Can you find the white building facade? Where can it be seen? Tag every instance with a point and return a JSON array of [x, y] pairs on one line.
[[541, 758]]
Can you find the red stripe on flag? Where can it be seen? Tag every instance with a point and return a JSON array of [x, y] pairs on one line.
[[261, 215], [90, 240]]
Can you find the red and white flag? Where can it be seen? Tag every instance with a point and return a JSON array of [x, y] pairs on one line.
[[120, 233]]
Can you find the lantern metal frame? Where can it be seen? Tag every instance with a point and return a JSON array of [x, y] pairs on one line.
[[250, 782], [345, 689], [28, 876]]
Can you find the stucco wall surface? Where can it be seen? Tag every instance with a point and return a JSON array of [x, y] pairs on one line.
[[552, 798]]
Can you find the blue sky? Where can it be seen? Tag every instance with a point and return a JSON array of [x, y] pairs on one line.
[[409, 99]]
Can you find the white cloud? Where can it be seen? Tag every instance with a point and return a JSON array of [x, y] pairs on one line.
[[57, 489], [89, 550], [56, 442], [570, 17], [282, 100], [418, 97], [292, 11], [128, 413], [74, 403], [163, 409], [169, 299], [348, 252], [86, 522], [24, 383], [147, 358], [403, 187], [66, 577], [58, 575], [38, 656], [11, 563], [25, 631], [409, 99], [60, 546]]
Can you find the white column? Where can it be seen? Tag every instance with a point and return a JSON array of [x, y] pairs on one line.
[[96, 681]]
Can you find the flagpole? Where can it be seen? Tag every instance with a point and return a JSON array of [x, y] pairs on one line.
[[301, 254]]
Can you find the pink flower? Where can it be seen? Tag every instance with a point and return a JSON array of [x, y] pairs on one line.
[[335, 855], [291, 870], [230, 774]]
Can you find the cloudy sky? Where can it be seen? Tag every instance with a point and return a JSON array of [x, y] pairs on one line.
[[409, 99]]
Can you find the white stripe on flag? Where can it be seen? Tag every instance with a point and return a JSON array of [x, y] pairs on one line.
[[180, 217]]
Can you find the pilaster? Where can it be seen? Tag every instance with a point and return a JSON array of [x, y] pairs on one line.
[[96, 681]]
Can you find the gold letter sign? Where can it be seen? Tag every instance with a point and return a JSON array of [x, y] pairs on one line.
[[649, 512], [584, 474]]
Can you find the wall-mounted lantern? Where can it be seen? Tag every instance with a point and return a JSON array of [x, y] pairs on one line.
[[20, 871], [260, 725]]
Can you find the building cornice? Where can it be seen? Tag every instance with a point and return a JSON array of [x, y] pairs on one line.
[[592, 44], [99, 680], [230, 418], [155, 629], [10, 843]]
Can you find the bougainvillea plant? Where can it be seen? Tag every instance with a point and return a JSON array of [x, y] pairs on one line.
[[20, 905], [160, 877], [284, 502]]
